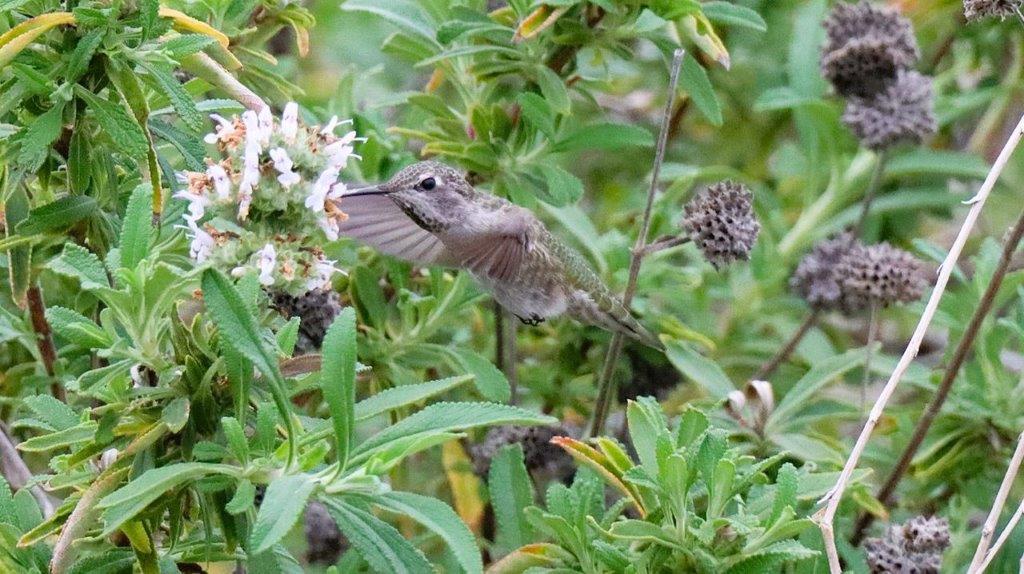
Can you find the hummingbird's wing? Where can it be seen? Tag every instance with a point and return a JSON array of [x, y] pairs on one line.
[[497, 252], [378, 222]]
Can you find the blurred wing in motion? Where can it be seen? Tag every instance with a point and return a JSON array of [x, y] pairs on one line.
[[378, 222]]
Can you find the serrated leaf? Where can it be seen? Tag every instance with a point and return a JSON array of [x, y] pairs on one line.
[[181, 101], [186, 44], [445, 417], [383, 547], [405, 395], [564, 188], [39, 136], [604, 136], [61, 439], [511, 492], [58, 215], [489, 380], [123, 130], [57, 414], [80, 263], [79, 160], [136, 228], [83, 53], [537, 112], [440, 519], [554, 90], [243, 499], [190, 148], [281, 508], [126, 502], [338, 380], [19, 262], [77, 328]]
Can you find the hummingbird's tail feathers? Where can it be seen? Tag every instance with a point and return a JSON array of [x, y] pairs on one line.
[[615, 319]]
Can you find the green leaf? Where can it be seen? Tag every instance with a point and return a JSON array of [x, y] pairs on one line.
[[281, 508], [604, 136], [236, 438], [77, 328], [79, 160], [39, 136], [537, 112], [19, 258], [646, 425], [511, 491], [126, 502], [83, 53], [695, 80], [820, 375], [125, 133], [734, 15], [238, 328], [55, 413], [288, 335], [61, 439], [564, 188], [186, 44], [338, 380], [699, 369], [137, 227], [553, 89], [786, 482], [190, 148], [489, 380], [398, 397], [80, 263], [405, 17], [58, 215], [175, 414], [445, 417], [180, 99], [383, 547], [440, 519], [242, 501], [943, 163], [770, 558]]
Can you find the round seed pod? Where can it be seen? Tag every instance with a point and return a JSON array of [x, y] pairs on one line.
[[539, 454], [721, 222], [316, 311], [903, 112], [324, 541], [978, 9], [880, 274], [866, 46], [814, 279], [914, 547]]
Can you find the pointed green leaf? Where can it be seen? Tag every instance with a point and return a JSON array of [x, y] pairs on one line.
[[338, 380], [137, 227], [281, 508], [439, 518], [383, 547]]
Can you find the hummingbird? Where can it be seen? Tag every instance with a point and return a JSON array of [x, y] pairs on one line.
[[428, 214]]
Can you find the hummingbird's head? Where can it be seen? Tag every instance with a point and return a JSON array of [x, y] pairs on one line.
[[433, 194]]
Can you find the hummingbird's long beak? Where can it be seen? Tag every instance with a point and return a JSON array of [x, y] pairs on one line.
[[368, 190]]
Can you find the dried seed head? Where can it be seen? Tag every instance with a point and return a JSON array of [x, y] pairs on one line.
[[720, 220], [879, 274], [903, 112], [866, 47], [538, 452], [316, 311], [814, 279], [324, 541], [916, 546], [978, 9]]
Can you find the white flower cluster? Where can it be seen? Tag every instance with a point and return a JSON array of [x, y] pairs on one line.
[[271, 201]]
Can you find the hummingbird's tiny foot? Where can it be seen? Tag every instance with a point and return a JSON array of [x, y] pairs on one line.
[[532, 321]]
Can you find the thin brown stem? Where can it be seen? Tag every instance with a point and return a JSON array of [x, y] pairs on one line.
[[769, 368], [663, 244], [17, 473], [870, 355], [963, 349], [872, 191], [505, 334], [44, 338], [607, 381]]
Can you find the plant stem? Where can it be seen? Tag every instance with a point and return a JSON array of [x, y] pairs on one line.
[[1007, 531], [44, 338], [997, 506], [17, 473], [207, 69], [607, 381], [664, 243], [826, 516], [505, 334], [869, 355], [872, 191], [768, 369], [949, 377]]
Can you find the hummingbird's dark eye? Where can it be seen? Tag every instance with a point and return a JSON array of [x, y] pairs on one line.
[[428, 184]]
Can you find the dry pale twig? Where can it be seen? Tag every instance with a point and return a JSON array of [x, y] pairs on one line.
[[826, 516], [1007, 531], [989, 529], [17, 473], [607, 386]]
